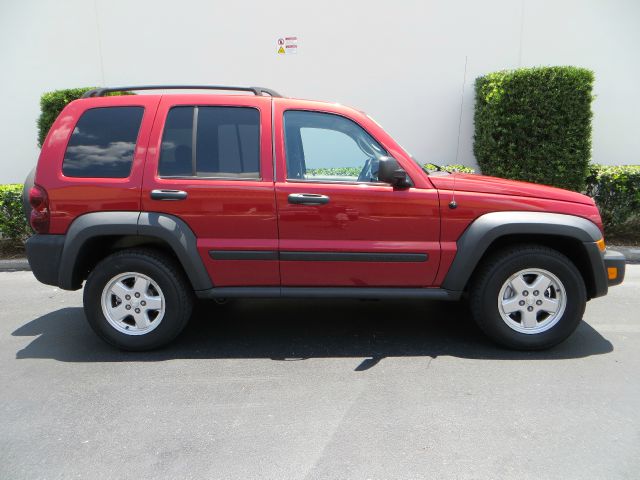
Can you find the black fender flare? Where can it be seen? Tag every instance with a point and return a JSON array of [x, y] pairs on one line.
[[482, 232], [168, 228]]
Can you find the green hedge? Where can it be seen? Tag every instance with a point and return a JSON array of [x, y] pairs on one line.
[[52, 103], [450, 168], [355, 171], [13, 225], [334, 172], [534, 124], [616, 190]]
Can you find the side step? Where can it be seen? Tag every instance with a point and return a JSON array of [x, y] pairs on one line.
[[328, 292]]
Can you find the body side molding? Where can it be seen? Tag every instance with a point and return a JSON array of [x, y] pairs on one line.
[[353, 257], [317, 256], [475, 240]]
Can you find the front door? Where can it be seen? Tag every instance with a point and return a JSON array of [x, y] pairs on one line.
[[338, 225], [215, 154]]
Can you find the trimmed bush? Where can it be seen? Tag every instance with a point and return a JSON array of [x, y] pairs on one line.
[[355, 171], [534, 124], [13, 225], [450, 168], [616, 190], [52, 103], [334, 172]]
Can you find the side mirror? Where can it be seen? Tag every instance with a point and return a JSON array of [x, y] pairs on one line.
[[390, 171]]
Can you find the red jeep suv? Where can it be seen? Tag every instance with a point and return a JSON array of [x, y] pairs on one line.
[[154, 200]]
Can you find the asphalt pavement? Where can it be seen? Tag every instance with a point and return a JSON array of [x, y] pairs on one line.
[[316, 390]]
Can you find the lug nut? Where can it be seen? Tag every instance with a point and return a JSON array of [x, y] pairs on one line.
[[521, 303], [137, 295], [143, 303], [127, 297], [128, 307], [539, 302], [525, 293], [536, 293], [528, 308], [138, 310]]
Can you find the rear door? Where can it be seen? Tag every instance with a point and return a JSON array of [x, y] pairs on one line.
[[210, 164]]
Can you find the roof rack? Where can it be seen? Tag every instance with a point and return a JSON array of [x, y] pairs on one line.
[[100, 92]]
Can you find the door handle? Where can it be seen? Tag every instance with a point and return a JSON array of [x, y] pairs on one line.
[[168, 195], [308, 199]]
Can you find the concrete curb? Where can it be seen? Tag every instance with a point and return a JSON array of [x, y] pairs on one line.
[[21, 265], [632, 254], [14, 265]]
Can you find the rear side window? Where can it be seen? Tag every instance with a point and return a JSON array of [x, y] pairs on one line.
[[212, 142], [103, 142]]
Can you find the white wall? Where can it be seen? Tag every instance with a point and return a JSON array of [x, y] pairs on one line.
[[402, 62]]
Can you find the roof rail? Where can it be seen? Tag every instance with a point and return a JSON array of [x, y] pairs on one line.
[[100, 92]]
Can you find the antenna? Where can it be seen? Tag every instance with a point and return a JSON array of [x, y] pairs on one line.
[[452, 204]]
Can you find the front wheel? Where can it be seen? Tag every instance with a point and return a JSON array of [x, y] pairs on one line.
[[528, 297], [137, 300]]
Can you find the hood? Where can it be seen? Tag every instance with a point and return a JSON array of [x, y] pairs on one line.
[[465, 182]]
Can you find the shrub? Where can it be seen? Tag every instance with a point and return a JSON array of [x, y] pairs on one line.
[[52, 103], [334, 171], [616, 190], [355, 171], [534, 124], [450, 168], [13, 225]]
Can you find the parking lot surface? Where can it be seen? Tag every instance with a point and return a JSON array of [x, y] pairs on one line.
[[316, 390]]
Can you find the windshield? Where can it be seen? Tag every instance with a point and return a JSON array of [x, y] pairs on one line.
[[427, 168]]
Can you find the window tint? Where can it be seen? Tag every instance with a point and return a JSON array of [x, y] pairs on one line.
[[227, 142], [103, 142], [331, 148], [175, 153]]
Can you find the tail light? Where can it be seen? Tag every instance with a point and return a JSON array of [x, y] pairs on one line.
[[40, 214]]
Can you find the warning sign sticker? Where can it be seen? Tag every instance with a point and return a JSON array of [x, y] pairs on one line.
[[287, 45]]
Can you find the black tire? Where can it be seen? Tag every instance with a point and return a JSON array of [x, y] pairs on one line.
[[484, 295], [177, 292]]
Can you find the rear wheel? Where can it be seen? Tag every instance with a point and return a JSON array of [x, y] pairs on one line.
[[528, 297], [137, 300]]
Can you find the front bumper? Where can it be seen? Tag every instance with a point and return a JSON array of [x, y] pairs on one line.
[[614, 265]]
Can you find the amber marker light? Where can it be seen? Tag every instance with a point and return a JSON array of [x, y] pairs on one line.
[[601, 244], [612, 272]]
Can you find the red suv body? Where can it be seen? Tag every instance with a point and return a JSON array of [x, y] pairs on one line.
[[263, 196]]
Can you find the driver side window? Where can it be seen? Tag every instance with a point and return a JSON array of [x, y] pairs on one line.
[[329, 148]]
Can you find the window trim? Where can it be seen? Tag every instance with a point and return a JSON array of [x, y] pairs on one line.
[[194, 138], [188, 177], [135, 147], [338, 182]]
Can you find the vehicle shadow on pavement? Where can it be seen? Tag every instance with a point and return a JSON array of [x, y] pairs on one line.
[[297, 330]]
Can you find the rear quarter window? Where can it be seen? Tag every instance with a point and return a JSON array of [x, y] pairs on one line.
[[103, 142]]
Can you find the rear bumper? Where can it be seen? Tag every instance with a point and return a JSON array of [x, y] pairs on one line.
[[614, 265], [44, 253]]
